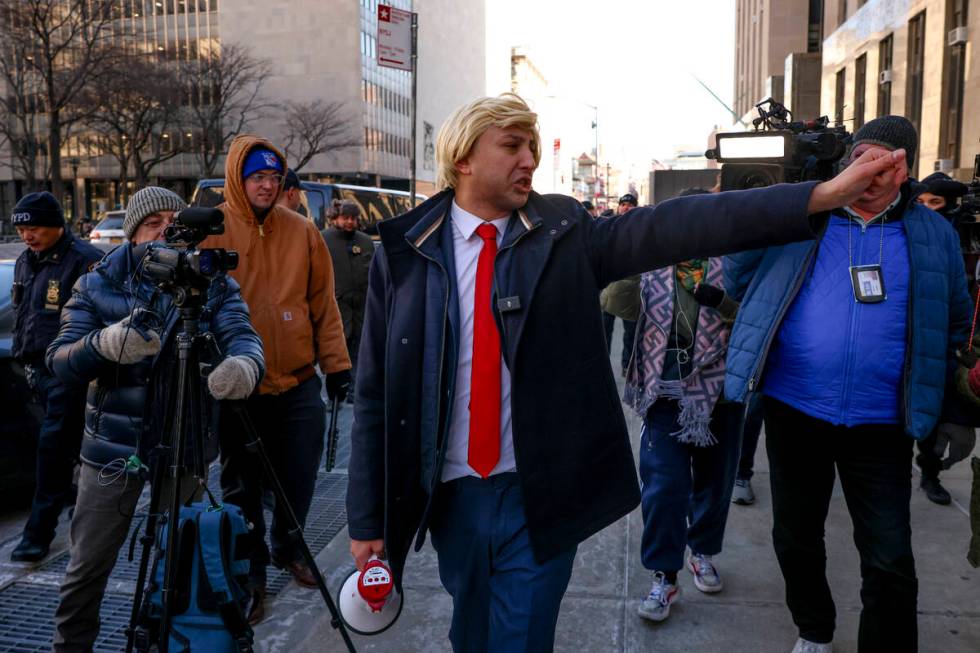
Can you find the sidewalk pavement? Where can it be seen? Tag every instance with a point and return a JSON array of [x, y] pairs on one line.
[[598, 613]]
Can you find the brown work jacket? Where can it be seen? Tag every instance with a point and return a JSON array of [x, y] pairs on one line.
[[286, 276]]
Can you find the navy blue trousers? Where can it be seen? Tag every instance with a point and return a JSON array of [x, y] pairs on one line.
[[58, 443], [291, 426], [686, 490], [503, 599], [751, 428]]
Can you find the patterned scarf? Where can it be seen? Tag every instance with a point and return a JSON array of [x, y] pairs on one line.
[[697, 393], [691, 273]]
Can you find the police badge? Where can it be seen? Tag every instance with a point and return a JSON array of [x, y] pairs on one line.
[[51, 300], [356, 249]]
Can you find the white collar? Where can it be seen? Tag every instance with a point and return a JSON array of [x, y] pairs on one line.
[[467, 222]]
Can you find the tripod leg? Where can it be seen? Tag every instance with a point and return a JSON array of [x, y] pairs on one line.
[[333, 434], [255, 446], [149, 536]]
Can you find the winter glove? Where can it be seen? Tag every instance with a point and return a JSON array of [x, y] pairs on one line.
[[125, 345], [234, 378], [338, 383], [716, 298], [958, 438], [973, 378]]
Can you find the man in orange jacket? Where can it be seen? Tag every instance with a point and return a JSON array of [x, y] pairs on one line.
[[287, 281]]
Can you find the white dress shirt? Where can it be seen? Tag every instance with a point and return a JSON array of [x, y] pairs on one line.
[[467, 245]]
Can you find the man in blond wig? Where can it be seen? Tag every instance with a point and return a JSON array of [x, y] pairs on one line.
[[486, 411]]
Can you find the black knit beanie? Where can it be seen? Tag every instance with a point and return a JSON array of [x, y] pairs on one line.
[[941, 184], [38, 210], [893, 132]]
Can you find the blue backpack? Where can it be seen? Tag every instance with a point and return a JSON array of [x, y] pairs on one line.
[[209, 610]]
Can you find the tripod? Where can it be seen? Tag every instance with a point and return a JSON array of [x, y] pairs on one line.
[[185, 420]]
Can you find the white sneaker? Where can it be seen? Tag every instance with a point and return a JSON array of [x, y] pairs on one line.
[[806, 646], [656, 606], [742, 493], [706, 576]]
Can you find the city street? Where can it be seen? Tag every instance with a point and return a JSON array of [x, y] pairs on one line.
[[599, 610], [749, 616]]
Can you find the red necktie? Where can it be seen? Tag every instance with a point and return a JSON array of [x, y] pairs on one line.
[[484, 449]]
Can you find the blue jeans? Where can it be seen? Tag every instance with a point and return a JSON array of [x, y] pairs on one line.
[[58, 443], [686, 489], [503, 598]]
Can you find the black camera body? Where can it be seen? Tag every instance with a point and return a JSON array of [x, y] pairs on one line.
[[779, 150], [967, 216], [179, 267]]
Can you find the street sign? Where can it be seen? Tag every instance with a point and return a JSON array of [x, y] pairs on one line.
[[394, 37]]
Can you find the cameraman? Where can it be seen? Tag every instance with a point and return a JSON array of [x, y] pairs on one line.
[[130, 371], [851, 340], [287, 280]]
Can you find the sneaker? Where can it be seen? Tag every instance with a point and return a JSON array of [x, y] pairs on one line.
[[656, 606], [935, 491], [742, 494], [706, 577], [806, 646]]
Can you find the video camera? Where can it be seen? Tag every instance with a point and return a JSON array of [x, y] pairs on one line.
[[967, 217], [181, 269], [779, 150]]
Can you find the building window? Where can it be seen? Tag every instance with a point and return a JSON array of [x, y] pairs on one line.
[[814, 35], [884, 76], [860, 82], [954, 68], [916, 66], [839, 97], [841, 12]]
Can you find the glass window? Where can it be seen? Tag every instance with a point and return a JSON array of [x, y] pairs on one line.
[[884, 82], [916, 67], [860, 81]]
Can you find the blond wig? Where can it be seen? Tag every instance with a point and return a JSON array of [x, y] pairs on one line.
[[460, 132]]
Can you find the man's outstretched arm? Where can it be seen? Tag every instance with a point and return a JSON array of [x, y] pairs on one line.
[[724, 223]]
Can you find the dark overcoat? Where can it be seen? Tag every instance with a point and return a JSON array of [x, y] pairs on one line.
[[571, 444]]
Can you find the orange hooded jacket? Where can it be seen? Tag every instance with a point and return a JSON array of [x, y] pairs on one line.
[[286, 276]]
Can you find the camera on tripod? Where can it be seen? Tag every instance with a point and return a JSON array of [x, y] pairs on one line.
[[967, 219], [179, 266], [779, 150]]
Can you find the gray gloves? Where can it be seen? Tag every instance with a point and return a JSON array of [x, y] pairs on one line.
[[958, 439], [234, 378], [122, 344]]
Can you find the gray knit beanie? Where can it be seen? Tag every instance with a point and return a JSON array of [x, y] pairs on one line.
[[147, 201], [893, 132]]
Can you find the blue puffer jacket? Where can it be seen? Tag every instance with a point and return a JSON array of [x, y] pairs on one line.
[[938, 316], [124, 411]]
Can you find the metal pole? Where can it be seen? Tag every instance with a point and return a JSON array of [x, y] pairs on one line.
[[413, 112]]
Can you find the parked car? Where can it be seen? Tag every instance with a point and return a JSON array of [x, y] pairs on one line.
[[21, 415], [376, 203], [109, 230]]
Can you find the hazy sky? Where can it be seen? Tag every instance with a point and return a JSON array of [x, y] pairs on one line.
[[633, 58]]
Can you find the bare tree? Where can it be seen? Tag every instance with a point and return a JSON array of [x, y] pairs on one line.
[[131, 114], [55, 48], [317, 127], [225, 90], [20, 130]]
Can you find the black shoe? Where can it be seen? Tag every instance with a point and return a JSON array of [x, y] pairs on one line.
[[935, 491], [28, 551]]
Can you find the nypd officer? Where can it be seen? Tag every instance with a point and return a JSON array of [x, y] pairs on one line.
[[43, 278]]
